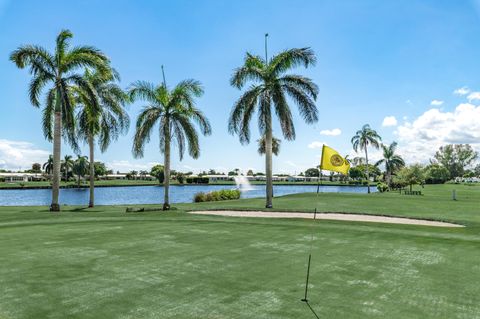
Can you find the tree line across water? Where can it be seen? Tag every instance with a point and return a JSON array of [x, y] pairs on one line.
[[83, 103]]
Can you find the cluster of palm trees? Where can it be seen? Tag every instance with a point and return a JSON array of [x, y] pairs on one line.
[[368, 137], [84, 103]]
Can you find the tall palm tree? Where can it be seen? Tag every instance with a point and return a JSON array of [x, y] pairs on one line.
[[275, 145], [103, 118], [391, 160], [67, 164], [174, 110], [80, 167], [270, 86], [58, 69], [361, 140], [48, 165]]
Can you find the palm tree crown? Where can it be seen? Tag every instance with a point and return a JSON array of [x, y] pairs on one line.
[[275, 145], [48, 165], [267, 94], [271, 88], [67, 165], [175, 111], [102, 115], [58, 69], [364, 138], [391, 160]]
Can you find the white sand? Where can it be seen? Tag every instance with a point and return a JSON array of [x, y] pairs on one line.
[[329, 216]]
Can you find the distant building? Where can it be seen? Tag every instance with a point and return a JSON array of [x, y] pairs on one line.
[[21, 177], [216, 178]]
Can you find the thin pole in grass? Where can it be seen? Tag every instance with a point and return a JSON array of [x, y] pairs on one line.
[[305, 298]]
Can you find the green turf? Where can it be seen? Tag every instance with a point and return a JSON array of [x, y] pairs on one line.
[[105, 263]]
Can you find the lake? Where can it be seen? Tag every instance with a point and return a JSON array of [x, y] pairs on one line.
[[150, 194]]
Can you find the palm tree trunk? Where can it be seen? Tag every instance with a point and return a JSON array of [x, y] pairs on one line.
[[166, 182], [366, 169], [92, 172], [57, 135], [268, 163]]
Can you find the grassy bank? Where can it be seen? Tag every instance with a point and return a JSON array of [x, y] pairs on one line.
[[105, 263]]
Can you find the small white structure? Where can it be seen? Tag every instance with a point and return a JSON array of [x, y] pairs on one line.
[[21, 177], [300, 178], [216, 178]]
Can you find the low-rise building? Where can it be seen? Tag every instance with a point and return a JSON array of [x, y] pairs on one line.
[[21, 177]]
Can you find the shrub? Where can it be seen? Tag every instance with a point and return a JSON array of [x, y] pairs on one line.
[[180, 178], [214, 196], [382, 187], [199, 197], [197, 180]]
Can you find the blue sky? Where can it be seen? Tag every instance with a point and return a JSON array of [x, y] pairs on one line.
[[404, 60]]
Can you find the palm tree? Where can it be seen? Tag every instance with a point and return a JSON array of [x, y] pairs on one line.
[[80, 167], [174, 110], [67, 164], [391, 160], [358, 160], [361, 140], [143, 174], [59, 70], [48, 165], [103, 118], [133, 174], [275, 145], [269, 89]]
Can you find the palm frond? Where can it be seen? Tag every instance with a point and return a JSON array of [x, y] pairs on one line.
[[292, 58]]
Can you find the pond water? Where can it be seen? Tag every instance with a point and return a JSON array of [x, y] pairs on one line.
[[150, 194]]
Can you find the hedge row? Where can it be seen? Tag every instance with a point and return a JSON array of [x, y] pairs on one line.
[[224, 194], [197, 180]]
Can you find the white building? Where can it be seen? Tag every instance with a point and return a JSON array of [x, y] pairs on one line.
[[21, 177]]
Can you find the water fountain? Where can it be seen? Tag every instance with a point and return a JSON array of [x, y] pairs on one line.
[[243, 184]]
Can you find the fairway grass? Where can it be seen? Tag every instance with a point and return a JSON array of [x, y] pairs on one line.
[[105, 263]]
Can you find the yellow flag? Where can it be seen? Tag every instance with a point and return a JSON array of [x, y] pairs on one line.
[[332, 161]]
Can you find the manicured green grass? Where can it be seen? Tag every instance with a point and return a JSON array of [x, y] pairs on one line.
[[105, 263]]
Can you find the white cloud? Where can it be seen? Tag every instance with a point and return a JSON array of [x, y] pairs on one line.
[[421, 138], [473, 96], [316, 144], [334, 132], [462, 91], [389, 121], [16, 155], [436, 102]]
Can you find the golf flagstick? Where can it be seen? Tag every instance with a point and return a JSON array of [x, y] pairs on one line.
[[305, 299]]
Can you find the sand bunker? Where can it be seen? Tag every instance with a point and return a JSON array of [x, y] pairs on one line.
[[328, 216]]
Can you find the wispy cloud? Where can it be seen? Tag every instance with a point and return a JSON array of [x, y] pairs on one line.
[[333, 132], [462, 91], [436, 102], [473, 96]]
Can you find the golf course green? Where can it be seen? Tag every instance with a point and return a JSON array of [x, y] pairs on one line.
[[106, 263]]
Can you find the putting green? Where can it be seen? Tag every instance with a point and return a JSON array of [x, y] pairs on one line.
[[105, 263]]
